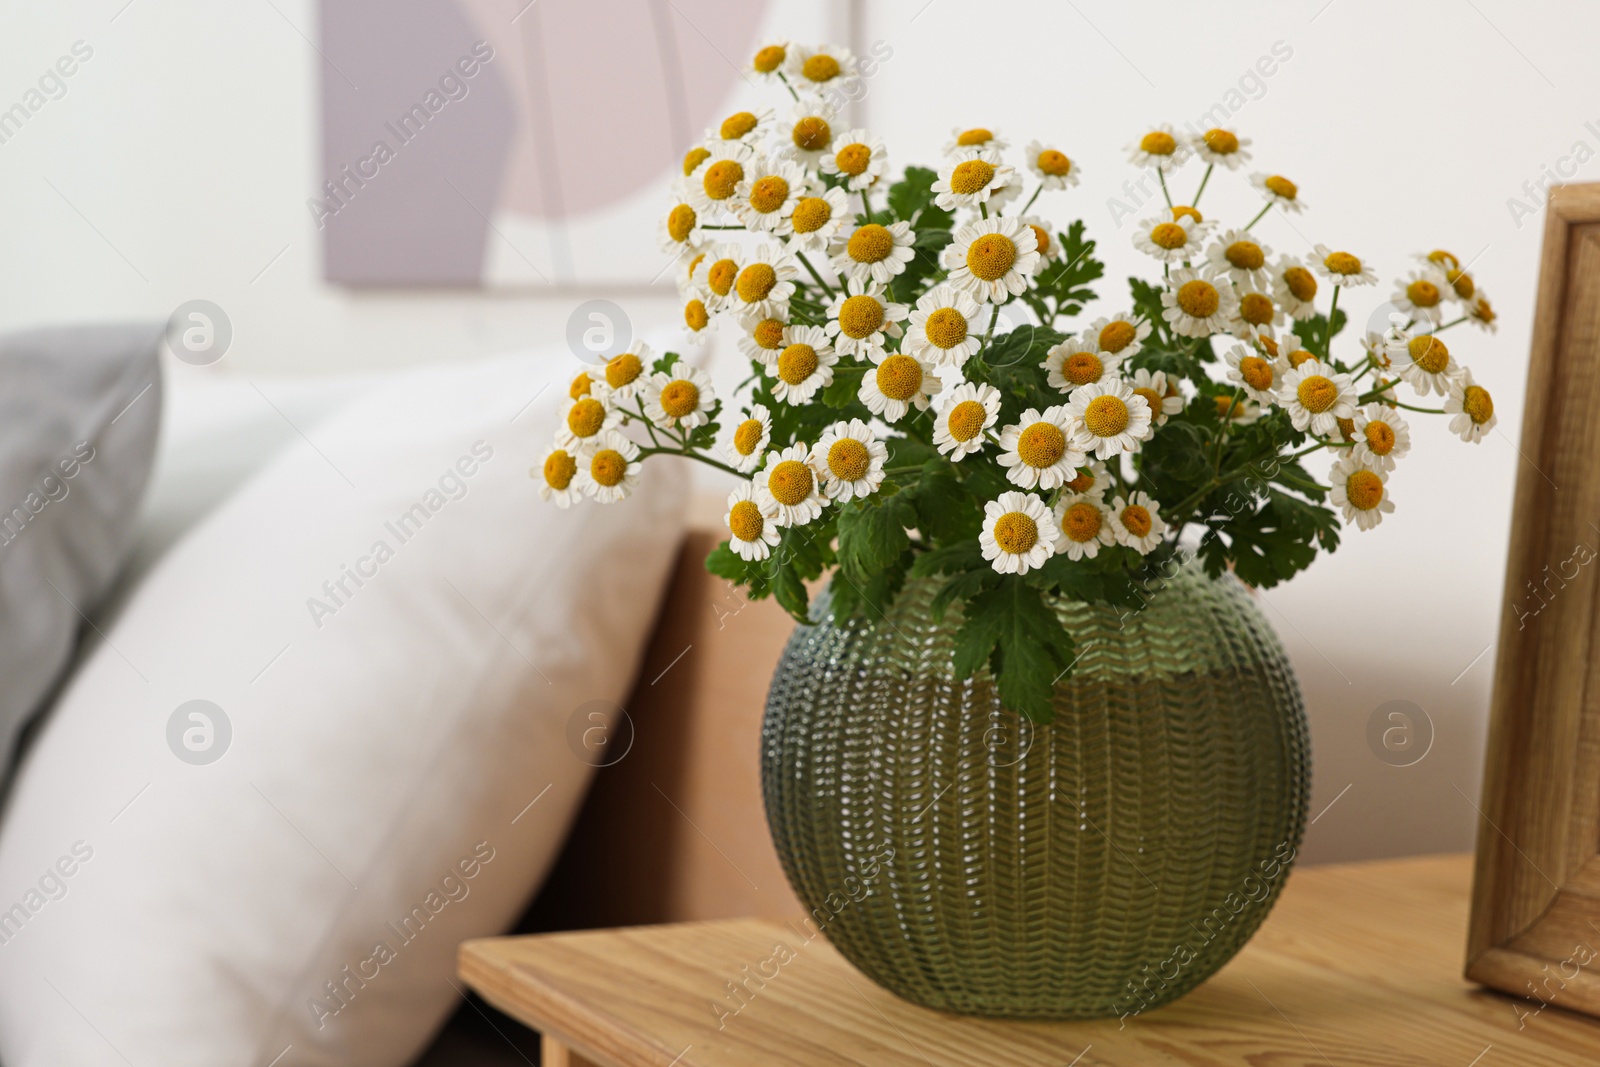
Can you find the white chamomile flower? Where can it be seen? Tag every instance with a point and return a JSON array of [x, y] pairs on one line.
[[679, 233], [1194, 307], [972, 179], [897, 384], [555, 474], [1241, 259], [857, 157], [1118, 335], [1481, 313], [1424, 362], [814, 68], [816, 220], [763, 336], [750, 438], [860, 318], [976, 139], [714, 275], [767, 196], [1241, 411], [1471, 408], [1160, 392], [850, 459], [1256, 372], [873, 252], [1160, 148], [991, 259], [1037, 449], [1317, 396], [684, 276], [1421, 295], [1295, 349], [1045, 242], [1092, 480], [942, 329], [752, 527], [1109, 418], [1085, 524], [787, 488], [679, 397], [1254, 314], [1381, 436], [1222, 148], [1076, 362], [968, 412], [1171, 240], [1053, 169], [765, 282], [715, 180], [811, 133], [750, 127], [804, 365], [1136, 522], [1294, 287], [625, 373], [607, 467], [1360, 492], [766, 66], [1019, 533], [696, 319], [585, 418], [1342, 268], [1279, 190]]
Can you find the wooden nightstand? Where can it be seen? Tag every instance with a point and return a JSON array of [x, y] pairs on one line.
[[1359, 965]]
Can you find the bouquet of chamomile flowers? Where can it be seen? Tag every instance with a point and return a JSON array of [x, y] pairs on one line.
[[922, 405]]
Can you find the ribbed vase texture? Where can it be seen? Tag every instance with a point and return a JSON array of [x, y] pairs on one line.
[[1098, 866]]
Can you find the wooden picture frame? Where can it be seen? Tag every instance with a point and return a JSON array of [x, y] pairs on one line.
[[1535, 927]]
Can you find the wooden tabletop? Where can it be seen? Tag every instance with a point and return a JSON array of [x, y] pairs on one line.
[[1359, 964]]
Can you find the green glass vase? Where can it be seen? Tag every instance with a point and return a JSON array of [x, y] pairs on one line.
[[1098, 866]]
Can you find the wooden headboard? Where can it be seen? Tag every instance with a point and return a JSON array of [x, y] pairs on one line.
[[676, 830]]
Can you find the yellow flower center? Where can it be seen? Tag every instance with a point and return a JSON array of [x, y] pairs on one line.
[[1423, 294], [693, 158], [720, 276], [791, 482], [1429, 353], [1081, 368], [1364, 489], [1281, 187], [746, 521], [769, 194], [1221, 142], [586, 417], [1256, 309], [1269, 345], [559, 468], [1106, 416], [860, 316], [695, 316], [1015, 532], [899, 377], [1189, 212], [608, 467], [945, 328], [812, 134], [975, 136], [1256, 372], [1198, 299], [1041, 238], [1300, 282], [848, 459], [623, 369], [1245, 255], [871, 243], [1462, 283], [680, 398], [768, 60], [756, 281], [853, 159], [1317, 393], [811, 214], [769, 334], [748, 437], [1081, 482], [722, 178], [797, 363], [1151, 397], [1081, 522], [991, 256], [1158, 143], [1342, 263], [820, 68], [1478, 404], [1169, 235], [1228, 408], [1136, 520], [1054, 163], [1441, 258], [1482, 311], [1380, 437], [971, 176], [680, 222], [580, 386], [1347, 429], [1041, 445], [1117, 335], [1299, 356], [737, 125], [965, 420]]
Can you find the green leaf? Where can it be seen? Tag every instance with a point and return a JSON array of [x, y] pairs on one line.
[[949, 559], [911, 200], [946, 510], [1012, 629], [844, 390], [872, 535], [963, 587], [1066, 280]]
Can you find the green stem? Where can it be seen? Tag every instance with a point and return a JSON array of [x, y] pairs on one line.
[[1257, 219], [1327, 339], [1453, 322], [784, 79], [1161, 176], [689, 454], [866, 208], [1203, 179], [983, 210], [801, 256], [1031, 199], [1411, 407]]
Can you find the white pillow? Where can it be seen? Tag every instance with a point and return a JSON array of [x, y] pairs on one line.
[[399, 772]]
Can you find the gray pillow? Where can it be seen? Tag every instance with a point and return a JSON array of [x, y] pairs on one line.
[[80, 408]]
